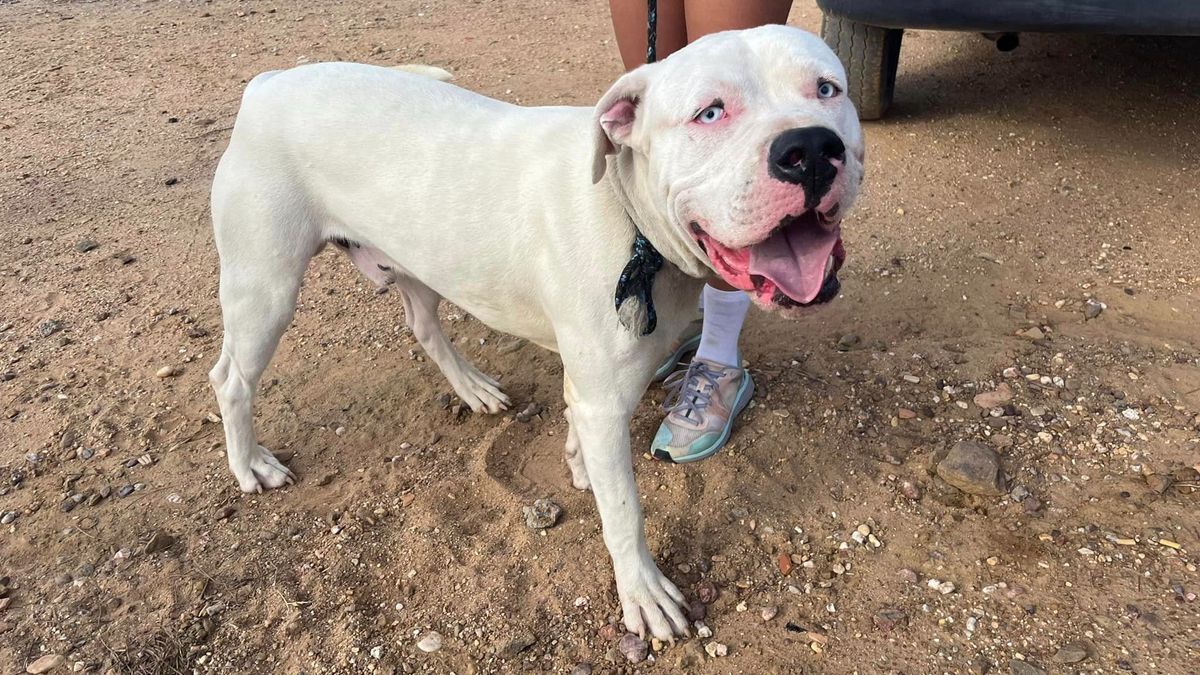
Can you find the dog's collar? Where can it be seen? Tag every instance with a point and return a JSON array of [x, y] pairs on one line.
[[634, 299]]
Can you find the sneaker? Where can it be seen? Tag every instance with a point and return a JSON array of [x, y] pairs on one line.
[[686, 346], [704, 401]]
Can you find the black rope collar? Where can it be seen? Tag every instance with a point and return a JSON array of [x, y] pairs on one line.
[[634, 299]]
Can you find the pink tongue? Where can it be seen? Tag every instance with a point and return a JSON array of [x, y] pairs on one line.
[[794, 258]]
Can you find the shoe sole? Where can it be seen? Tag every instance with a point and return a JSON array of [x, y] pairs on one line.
[[744, 396]]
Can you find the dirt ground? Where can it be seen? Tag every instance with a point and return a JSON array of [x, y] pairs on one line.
[[1004, 192]]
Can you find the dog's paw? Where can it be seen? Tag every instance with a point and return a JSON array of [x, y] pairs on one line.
[[263, 471], [480, 392], [651, 603]]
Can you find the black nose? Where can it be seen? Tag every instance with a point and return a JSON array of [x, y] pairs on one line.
[[805, 157]]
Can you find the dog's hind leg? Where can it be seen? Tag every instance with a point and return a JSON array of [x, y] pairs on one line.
[[263, 257], [572, 449], [477, 390]]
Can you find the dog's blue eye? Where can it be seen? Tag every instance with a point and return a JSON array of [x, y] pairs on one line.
[[711, 114], [827, 90]]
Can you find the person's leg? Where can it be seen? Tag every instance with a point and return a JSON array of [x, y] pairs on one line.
[[629, 23], [712, 16]]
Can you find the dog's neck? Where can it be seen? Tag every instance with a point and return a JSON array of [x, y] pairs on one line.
[[638, 201]]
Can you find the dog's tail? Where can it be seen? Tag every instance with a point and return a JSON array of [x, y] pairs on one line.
[[425, 71]]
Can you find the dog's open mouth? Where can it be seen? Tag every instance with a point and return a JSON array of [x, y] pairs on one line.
[[796, 265]]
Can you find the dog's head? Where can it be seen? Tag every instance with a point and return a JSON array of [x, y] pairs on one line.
[[750, 150]]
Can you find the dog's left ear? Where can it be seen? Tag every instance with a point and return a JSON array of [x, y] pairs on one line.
[[614, 118]]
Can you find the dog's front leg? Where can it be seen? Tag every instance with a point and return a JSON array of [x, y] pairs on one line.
[[600, 413]]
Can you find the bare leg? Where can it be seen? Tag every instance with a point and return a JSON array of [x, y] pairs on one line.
[[712, 16], [629, 22]]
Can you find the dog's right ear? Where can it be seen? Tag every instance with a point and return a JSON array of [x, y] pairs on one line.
[[615, 115]]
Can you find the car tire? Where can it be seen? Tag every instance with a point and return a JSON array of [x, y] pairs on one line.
[[871, 55]]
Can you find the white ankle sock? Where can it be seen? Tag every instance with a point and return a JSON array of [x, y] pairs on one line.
[[724, 312]]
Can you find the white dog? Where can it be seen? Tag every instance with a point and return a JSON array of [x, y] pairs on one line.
[[737, 155]]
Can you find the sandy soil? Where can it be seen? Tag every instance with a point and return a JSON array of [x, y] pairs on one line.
[[1005, 191]]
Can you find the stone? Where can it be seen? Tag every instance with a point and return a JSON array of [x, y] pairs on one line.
[[633, 648], [768, 613], [995, 398], [168, 371], [1072, 652], [707, 592], [1092, 308], [847, 342], [431, 642], [85, 245], [46, 664], [908, 576], [608, 632], [159, 542], [716, 649], [973, 468], [225, 512], [887, 619], [582, 669], [125, 491], [1020, 667], [1158, 482], [697, 611], [8, 518], [910, 490], [785, 564], [519, 643], [48, 328], [543, 514]]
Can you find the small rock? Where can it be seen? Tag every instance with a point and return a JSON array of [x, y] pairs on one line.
[[171, 181], [911, 379], [1092, 308], [1034, 334], [906, 413], [769, 613], [125, 491], [608, 632], [1131, 414], [519, 643], [1158, 482], [377, 652], [1073, 652], [995, 398], [49, 327], [582, 669], [633, 648], [431, 642], [973, 468], [908, 576], [1019, 494], [160, 541], [105, 491], [716, 649], [168, 371], [543, 514], [702, 631], [848, 342], [8, 517], [46, 664], [785, 564], [910, 490], [697, 611], [85, 245], [887, 619], [707, 592], [529, 413], [1020, 667], [225, 512]]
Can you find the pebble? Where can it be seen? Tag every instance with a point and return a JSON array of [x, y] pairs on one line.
[[431, 642], [633, 648], [582, 669], [49, 327], [608, 632], [1159, 483], [1020, 667], [8, 517], [995, 398], [887, 619], [716, 649], [1092, 308], [973, 468], [543, 514], [225, 511], [707, 592], [377, 652], [785, 564], [46, 664], [125, 491], [168, 371], [1019, 494], [1131, 414], [1072, 652], [702, 630], [943, 587], [85, 245], [768, 613], [911, 379], [85, 453], [906, 414], [908, 576], [847, 342], [910, 490]]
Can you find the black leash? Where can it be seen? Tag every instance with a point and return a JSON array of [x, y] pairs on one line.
[[637, 279]]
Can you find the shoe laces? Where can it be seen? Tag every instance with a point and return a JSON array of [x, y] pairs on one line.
[[688, 394]]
